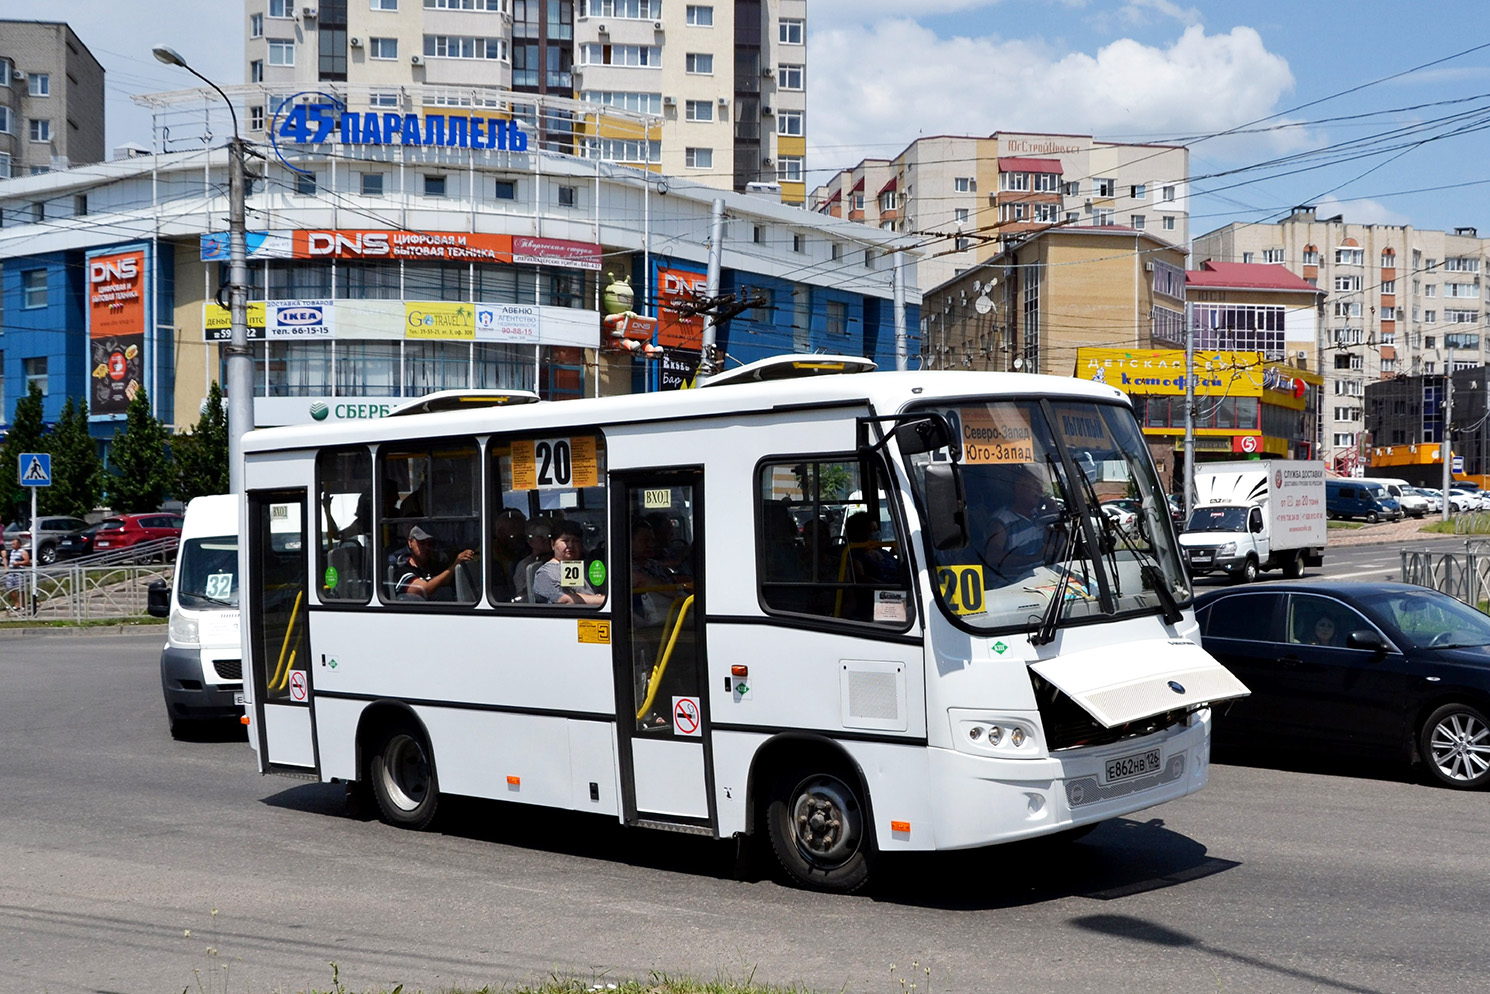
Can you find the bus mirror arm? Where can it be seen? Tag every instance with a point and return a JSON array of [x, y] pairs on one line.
[[946, 506], [915, 433]]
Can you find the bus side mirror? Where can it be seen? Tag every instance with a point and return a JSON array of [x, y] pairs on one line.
[[922, 435], [946, 506]]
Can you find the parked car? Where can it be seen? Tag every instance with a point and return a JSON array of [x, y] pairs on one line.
[[79, 544], [1367, 499], [1176, 508], [1123, 512], [1433, 497], [1475, 499], [132, 529], [1411, 502], [1391, 669], [50, 531]]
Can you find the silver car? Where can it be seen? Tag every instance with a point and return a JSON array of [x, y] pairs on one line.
[[51, 530]]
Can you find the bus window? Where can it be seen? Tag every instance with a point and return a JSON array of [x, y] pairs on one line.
[[432, 536], [823, 551], [344, 563], [548, 541]]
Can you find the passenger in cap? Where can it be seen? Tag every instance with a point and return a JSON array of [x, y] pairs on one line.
[[425, 575]]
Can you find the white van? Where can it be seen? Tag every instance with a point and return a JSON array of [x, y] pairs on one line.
[[1413, 503], [201, 665]]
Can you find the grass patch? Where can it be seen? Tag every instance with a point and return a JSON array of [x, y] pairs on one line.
[[1348, 526], [90, 623], [1439, 528]]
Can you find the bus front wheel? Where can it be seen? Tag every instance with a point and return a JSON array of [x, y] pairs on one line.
[[402, 772], [819, 831]]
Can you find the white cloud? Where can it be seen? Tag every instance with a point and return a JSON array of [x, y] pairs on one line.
[[1360, 210], [1139, 11], [924, 84]]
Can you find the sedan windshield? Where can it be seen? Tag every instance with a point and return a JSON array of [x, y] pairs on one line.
[[1218, 519], [1035, 473], [209, 572], [1428, 619]]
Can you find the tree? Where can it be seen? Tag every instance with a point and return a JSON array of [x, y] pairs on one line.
[[142, 462], [77, 473], [25, 435], [202, 455]]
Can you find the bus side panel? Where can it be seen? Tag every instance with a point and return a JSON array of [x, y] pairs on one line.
[[510, 757], [336, 736], [289, 731], [592, 764], [899, 791], [733, 754]]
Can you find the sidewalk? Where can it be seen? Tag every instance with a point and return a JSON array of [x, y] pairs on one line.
[[1384, 533]]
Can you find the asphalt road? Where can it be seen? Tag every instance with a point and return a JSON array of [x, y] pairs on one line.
[[116, 842]]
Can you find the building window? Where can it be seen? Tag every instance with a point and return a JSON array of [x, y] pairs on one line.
[[1350, 257], [836, 317], [40, 130], [372, 184], [1136, 222], [789, 169], [33, 288], [698, 110], [5, 120], [1248, 258], [39, 84], [4, 174], [256, 71], [384, 99], [36, 372], [647, 103], [80, 205], [1168, 193], [281, 52], [494, 6], [281, 8], [965, 184], [465, 47], [506, 189], [1431, 290], [305, 184], [384, 4], [700, 16], [1430, 317], [1013, 182], [382, 48], [1104, 218], [1104, 187], [758, 235], [699, 158], [1272, 255], [1138, 191], [799, 243], [1168, 222], [567, 196], [789, 122], [1071, 188], [791, 31], [790, 77], [434, 186], [1347, 283], [1311, 257], [256, 25], [256, 119], [835, 251], [632, 9], [628, 55], [700, 63]]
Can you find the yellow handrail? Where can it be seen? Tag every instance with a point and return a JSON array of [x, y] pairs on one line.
[[655, 680], [843, 568], [281, 671]]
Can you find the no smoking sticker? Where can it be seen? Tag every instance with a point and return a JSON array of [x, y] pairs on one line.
[[686, 720], [298, 691]]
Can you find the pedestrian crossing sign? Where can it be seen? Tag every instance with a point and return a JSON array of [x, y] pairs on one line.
[[36, 469]]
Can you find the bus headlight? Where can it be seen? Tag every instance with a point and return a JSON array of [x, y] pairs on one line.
[[183, 630], [995, 735]]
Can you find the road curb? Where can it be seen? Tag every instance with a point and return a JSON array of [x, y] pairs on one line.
[[89, 630]]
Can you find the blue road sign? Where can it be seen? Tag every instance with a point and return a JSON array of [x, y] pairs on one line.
[[35, 469]]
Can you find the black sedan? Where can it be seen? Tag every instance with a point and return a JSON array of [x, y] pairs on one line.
[[1384, 668], [81, 544]]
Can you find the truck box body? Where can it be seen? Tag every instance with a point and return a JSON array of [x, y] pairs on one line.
[[1257, 515]]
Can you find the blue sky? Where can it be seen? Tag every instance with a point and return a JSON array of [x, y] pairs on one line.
[[883, 71]]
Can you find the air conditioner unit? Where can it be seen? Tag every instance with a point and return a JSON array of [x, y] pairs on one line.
[[602, 29], [766, 161], [17, 75], [1148, 267], [669, 101], [1303, 355], [656, 25], [766, 110], [724, 101], [768, 72], [354, 42], [307, 12], [416, 60]]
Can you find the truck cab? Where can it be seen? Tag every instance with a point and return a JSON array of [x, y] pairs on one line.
[[1226, 538]]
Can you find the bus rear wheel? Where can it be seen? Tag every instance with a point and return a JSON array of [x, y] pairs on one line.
[[402, 772], [819, 831]]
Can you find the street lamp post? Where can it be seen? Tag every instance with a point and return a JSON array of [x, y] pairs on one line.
[[240, 356]]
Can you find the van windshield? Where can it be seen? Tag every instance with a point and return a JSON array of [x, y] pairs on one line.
[[1218, 519], [1035, 473], [208, 570]]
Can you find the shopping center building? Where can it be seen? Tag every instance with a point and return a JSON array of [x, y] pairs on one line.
[[395, 254]]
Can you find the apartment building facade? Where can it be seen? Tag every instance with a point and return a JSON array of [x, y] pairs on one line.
[[968, 196], [51, 99], [1399, 300], [722, 86]]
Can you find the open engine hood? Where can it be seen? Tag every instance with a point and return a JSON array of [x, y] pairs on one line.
[[1133, 680]]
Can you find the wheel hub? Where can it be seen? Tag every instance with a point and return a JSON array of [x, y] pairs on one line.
[[825, 821], [1460, 748]]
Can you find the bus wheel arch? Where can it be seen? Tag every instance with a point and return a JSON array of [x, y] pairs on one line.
[[397, 762], [809, 797]]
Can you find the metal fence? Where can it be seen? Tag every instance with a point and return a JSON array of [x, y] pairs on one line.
[[92, 588], [1462, 575]]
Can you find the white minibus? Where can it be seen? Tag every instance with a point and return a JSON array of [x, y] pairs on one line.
[[849, 612]]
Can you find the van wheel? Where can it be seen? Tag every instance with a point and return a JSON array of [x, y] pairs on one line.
[[819, 831], [1372, 517], [402, 772], [1249, 571], [1293, 567]]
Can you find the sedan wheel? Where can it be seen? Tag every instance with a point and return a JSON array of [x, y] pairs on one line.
[[1455, 743]]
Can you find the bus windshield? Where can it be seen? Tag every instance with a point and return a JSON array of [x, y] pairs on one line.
[[209, 573], [1036, 473]]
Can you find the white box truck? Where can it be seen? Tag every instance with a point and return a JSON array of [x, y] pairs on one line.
[[1256, 515]]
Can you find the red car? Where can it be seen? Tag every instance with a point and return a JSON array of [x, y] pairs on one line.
[[132, 529]]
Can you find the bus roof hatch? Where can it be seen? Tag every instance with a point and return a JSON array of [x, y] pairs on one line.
[[464, 400], [791, 367]]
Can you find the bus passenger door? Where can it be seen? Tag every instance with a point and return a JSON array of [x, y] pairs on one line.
[[279, 630], [658, 597]]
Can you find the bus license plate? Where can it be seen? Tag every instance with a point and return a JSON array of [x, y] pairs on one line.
[[1127, 767]]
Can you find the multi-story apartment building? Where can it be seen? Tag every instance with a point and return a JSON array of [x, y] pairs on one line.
[[1400, 300], [51, 99], [724, 82], [969, 195]]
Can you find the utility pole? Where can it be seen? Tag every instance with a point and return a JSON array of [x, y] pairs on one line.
[[897, 282], [708, 363], [1189, 419], [1446, 449]]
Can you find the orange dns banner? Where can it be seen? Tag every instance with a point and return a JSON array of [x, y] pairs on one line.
[[116, 329]]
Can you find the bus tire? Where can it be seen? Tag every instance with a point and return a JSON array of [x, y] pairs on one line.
[[402, 775], [820, 829]]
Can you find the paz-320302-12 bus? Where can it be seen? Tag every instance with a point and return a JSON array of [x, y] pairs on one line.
[[855, 614]]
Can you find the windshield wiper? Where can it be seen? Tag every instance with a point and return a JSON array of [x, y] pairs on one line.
[[211, 600], [1052, 617]]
